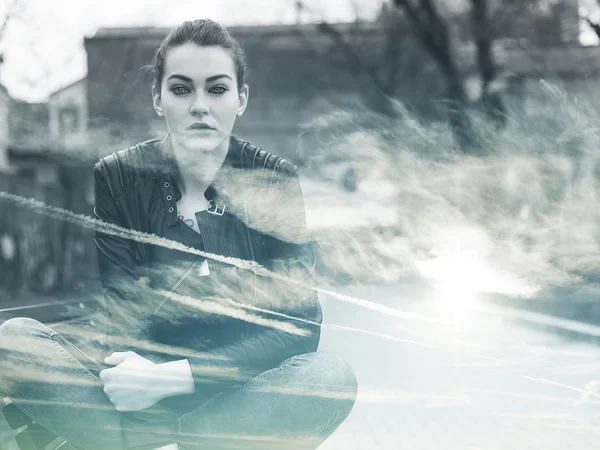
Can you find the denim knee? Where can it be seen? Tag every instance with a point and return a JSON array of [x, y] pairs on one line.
[[19, 326], [332, 370], [15, 340]]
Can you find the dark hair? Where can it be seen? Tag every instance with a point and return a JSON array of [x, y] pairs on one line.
[[204, 33]]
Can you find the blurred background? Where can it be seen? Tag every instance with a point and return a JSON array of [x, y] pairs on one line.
[[451, 143], [74, 88]]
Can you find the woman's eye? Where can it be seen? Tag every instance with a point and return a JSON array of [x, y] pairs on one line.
[[218, 90], [180, 90]]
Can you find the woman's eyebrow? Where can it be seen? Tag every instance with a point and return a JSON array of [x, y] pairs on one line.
[[183, 77], [208, 80], [216, 77]]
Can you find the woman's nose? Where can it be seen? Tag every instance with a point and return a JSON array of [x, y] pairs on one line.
[[199, 106]]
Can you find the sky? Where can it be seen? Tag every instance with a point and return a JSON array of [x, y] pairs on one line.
[[43, 46]]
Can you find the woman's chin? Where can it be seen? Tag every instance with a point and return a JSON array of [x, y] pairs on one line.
[[200, 143]]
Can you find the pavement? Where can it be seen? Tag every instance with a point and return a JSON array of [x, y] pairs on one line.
[[475, 376], [482, 378]]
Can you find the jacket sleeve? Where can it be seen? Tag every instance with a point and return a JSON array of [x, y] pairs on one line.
[[264, 348], [120, 276]]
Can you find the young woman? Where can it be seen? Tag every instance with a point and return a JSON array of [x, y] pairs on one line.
[[201, 352]]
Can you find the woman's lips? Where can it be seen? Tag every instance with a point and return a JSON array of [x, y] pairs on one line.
[[200, 126]]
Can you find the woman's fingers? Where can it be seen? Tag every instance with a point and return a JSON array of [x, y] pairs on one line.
[[119, 357]]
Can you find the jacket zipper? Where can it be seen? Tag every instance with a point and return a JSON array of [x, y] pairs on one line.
[[253, 259], [248, 230], [179, 280]]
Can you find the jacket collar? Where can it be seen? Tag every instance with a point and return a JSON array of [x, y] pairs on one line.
[[168, 171]]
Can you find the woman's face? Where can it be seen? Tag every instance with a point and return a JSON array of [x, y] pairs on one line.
[[199, 97]]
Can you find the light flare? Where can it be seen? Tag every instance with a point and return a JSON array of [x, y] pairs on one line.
[[462, 271]]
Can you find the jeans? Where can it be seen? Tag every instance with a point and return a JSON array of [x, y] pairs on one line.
[[296, 405]]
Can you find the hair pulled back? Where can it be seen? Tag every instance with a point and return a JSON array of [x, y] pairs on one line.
[[204, 33]]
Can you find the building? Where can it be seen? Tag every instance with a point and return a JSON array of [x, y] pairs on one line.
[[285, 75], [4, 130], [47, 158], [70, 141], [68, 115], [298, 73]]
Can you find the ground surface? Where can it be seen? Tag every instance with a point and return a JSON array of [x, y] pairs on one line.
[[473, 380], [488, 384]]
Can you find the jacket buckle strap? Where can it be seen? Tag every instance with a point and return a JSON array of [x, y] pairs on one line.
[[215, 208]]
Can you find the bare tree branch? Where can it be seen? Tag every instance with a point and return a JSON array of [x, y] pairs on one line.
[[491, 102], [12, 11], [594, 26], [432, 30], [373, 91], [483, 41], [378, 98], [433, 33]]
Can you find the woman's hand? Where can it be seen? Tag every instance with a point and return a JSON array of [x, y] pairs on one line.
[[135, 383]]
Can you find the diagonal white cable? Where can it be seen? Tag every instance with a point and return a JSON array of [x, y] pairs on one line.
[[148, 238]]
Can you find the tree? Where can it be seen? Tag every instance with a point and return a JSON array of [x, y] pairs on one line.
[[433, 33], [376, 92], [430, 23], [593, 23], [13, 10]]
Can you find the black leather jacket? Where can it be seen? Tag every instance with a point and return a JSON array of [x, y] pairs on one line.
[[263, 221]]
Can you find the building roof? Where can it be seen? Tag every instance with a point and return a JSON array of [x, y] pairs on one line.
[[527, 59], [68, 86], [248, 30]]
